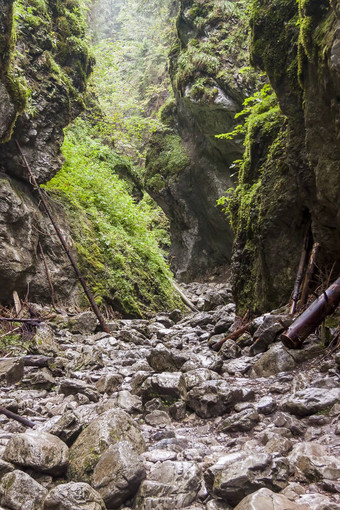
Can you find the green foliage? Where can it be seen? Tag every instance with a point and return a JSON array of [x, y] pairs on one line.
[[116, 238], [166, 158]]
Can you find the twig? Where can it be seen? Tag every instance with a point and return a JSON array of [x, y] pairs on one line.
[[300, 270], [233, 336], [9, 332]]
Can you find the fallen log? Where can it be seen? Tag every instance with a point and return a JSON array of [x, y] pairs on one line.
[[184, 298], [311, 318], [17, 417], [32, 322], [233, 336]]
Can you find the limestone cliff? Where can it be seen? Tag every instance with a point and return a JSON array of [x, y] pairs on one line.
[[290, 173], [44, 66], [187, 168]]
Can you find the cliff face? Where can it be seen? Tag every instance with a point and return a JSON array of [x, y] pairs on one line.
[[293, 163], [44, 66], [187, 168]]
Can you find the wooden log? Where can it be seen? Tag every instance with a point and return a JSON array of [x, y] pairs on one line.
[[311, 318], [233, 336], [16, 417], [301, 268], [184, 298], [309, 274]]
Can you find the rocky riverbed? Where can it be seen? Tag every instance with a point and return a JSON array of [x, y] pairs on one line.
[[149, 417]]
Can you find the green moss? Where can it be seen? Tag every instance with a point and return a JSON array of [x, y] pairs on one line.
[[166, 158]]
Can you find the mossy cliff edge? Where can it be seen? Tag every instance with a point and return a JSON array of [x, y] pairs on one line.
[[290, 172], [187, 168]]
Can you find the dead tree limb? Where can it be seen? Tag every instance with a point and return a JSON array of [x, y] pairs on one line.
[[16, 417], [184, 298], [299, 275], [80, 277], [32, 322], [233, 336], [311, 318], [309, 274]]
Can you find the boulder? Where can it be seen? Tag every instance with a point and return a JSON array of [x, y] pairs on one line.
[[268, 331], [73, 387], [240, 422], [108, 383], [11, 371], [265, 499], [169, 386], [230, 350], [213, 398], [73, 496], [38, 450], [314, 462], [83, 323], [276, 359], [169, 485], [163, 360], [109, 428], [44, 342], [19, 491], [118, 474], [198, 376], [67, 427], [311, 400], [236, 475]]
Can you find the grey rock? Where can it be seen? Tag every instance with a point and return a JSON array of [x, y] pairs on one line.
[[213, 398], [19, 491], [238, 474], [240, 422], [40, 379], [168, 385], [44, 341], [311, 401], [109, 383], [314, 462], [73, 387], [268, 331], [73, 496], [157, 418], [240, 365], [178, 411], [11, 371], [118, 474], [66, 427], [276, 359], [198, 376], [230, 350], [163, 360], [267, 405], [109, 428], [265, 499], [169, 485], [39, 450], [83, 323]]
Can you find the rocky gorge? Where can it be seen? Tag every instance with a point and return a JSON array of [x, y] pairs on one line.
[[148, 416]]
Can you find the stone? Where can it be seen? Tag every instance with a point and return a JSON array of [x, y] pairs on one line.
[[268, 331], [170, 485], [240, 365], [311, 400], [73, 496], [73, 387], [118, 474], [266, 405], [168, 385], [108, 383], [157, 418], [314, 462], [213, 398], [38, 450], [44, 342], [84, 323], [240, 422], [19, 491], [163, 360], [317, 502], [236, 475], [40, 379], [265, 499], [198, 376], [66, 427], [230, 350], [109, 428], [11, 371], [178, 411], [276, 359]]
